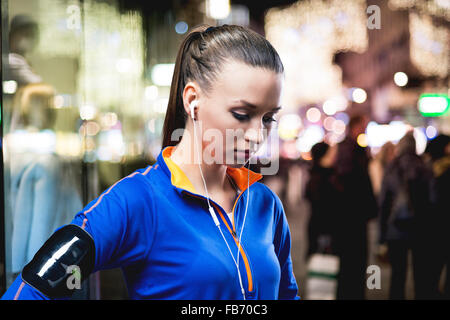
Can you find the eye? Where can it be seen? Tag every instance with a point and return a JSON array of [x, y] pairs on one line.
[[241, 117], [268, 120]]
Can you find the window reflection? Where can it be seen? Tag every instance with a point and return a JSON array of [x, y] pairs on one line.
[[42, 194], [42, 149], [80, 110]]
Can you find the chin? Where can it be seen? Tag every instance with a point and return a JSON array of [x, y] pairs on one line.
[[235, 165]]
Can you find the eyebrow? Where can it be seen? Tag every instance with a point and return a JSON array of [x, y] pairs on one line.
[[251, 105]]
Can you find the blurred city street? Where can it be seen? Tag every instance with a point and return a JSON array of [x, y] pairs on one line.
[[350, 102]]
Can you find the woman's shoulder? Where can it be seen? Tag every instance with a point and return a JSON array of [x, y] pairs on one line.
[[263, 188], [272, 203], [267, 193], [136, 186]]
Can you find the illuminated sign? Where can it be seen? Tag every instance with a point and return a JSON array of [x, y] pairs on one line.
[[433, 104]]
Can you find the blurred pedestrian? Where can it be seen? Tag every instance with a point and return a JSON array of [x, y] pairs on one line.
[[23, 39], [321, 194], [357, 205], [439, 152], [405, 219], [379, 164]]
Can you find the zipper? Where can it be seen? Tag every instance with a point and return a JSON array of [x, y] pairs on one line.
[[235, 202], [233, 233], [242, 251], [234, 206]]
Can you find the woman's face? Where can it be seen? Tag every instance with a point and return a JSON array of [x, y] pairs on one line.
[[238, 112]]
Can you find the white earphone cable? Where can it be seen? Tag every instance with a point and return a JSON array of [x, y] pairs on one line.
[[245, 214], [211, 210]]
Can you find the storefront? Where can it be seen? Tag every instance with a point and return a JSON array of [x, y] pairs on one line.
[[85, 87]]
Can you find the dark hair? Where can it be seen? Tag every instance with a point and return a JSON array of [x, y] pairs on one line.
[[407, 144], [436, 147], [22, 22], [356, 119], [200, 58], [318, 151]]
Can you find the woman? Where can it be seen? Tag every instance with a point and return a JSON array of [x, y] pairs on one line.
[[167, 225], [379, 164], [438, 153], [405, 218], [321, 194]]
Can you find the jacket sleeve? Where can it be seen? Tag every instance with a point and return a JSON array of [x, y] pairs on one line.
[[115, 221], [20, 290], [282, 242], [115, 235]]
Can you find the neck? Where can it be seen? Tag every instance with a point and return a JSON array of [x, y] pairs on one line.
[[186, 157]]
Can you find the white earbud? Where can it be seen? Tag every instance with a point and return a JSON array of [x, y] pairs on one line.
[[192, 106]]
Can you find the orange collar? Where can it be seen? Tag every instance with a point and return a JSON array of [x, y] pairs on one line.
[[180, 180]]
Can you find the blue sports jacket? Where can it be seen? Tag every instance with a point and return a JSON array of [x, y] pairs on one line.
[[157, 229]]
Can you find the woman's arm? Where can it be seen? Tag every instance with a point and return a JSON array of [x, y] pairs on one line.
[[115, 234], [20, 290], [60, 264]]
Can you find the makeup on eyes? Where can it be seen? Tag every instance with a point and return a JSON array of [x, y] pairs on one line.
[[245, 116]]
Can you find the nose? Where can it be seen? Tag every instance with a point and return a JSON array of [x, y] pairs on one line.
[[255, 135]]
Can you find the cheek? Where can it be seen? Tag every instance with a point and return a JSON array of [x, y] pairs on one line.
[[214, 139], [220, 130], [219, 144]]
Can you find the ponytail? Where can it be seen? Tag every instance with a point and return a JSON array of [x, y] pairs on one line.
[[176, 115]]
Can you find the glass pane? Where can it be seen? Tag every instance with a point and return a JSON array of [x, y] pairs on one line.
[[86, 86], [42, 147], [82, 108]]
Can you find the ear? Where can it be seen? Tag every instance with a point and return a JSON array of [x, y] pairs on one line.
[[191, 92]]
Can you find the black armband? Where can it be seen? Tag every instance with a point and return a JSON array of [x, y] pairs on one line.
[[69, 252]]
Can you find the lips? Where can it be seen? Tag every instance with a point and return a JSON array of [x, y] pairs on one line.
[[243, 153]]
